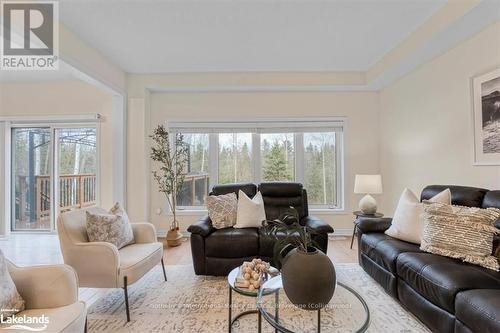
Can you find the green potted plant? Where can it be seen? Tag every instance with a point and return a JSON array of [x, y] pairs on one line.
[[172, 162], [308, 274]]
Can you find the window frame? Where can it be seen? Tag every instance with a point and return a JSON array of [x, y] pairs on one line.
[[54, 128], [256, 127]]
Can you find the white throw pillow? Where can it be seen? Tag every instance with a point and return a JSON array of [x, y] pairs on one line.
[[408, 221], [251, 212]]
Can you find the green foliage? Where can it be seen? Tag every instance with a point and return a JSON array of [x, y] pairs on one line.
[[172, 162], [276, 166], [235, 164], [70, 141], [320, 169], [288, 234]]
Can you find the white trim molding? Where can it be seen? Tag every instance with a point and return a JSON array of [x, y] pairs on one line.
[[51, 119]]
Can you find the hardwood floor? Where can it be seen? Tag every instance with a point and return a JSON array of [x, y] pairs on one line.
[[42, 249]]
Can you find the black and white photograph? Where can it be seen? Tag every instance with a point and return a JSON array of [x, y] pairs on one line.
[[486, 92], [490, 103]]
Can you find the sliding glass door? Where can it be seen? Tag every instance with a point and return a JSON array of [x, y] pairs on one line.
[[77, 167], [31, 178], [42, 155]]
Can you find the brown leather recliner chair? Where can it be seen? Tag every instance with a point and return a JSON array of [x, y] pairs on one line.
[[218, 251]]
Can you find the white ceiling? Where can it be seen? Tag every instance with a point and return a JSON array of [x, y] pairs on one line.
[[241, 35]]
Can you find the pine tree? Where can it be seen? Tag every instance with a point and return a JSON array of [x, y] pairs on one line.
[[245, 166], [276, 166]]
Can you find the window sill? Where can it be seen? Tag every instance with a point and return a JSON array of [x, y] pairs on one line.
[[187, 212], [313, 211], [327, 211]]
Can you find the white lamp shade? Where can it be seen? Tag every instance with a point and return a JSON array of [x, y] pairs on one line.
[[368, 184]]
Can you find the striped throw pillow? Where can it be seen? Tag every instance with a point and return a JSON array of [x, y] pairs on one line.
[[464, 233]]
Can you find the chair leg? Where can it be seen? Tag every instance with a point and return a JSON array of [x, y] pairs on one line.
[[86, 323], [125, 289], [353, 234], [163, 267]]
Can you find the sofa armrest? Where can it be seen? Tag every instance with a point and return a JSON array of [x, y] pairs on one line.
[[202, 227], [96, 263], [373, 224], [144, 232], [43, 287], [317, 225]]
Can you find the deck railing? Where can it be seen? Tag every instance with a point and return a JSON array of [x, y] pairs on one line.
[[75, 191], [79, 191], [194, 190]]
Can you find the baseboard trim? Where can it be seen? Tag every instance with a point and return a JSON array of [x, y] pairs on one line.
[[160, 233], [338, 232], [341, 232]]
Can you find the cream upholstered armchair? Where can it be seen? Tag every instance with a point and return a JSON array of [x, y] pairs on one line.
[[51, 291], [101, 264]]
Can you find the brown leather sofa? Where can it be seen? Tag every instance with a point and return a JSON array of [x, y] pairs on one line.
[[446, 294], [217, 252]]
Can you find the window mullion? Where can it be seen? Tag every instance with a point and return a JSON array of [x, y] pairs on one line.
[[256, 156], [299, 157], [54, 174], [213, 155], [339, 166]]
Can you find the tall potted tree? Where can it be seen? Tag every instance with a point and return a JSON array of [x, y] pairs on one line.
[[171, 161]]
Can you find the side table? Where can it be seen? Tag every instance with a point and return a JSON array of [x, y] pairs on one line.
[[358, 214], [231, 278]]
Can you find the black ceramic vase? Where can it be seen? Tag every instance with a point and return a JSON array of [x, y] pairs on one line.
[[309, 279]]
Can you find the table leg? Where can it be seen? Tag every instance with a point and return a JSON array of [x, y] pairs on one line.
[[229, 322], [353, 234], [260, 322], [277, 310], [319, 321]]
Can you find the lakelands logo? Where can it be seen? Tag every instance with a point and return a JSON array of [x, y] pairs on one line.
[[30, 35], [25, 323]]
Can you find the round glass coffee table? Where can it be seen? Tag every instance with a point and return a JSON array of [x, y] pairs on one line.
[[231, 278], [346, 312]]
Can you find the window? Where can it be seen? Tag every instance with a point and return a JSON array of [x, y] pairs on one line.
[[278, 157], [196, 182], [35, 169], [31, 178], [320, 168], [235, 158], [77, 167], [309, 152]]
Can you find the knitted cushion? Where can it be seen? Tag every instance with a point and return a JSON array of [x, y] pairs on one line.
[[461, 232], [222, 210]]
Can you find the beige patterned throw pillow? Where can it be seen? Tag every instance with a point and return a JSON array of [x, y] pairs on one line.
[[461, 232], [10, 300], [222, 210], [113, 228]]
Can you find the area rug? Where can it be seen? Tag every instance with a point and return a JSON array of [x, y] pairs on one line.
[[190, 303]]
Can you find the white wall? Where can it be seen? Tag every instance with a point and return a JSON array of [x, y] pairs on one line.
[[89, 61], [65, 98], [360, 108], [426, 122]]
